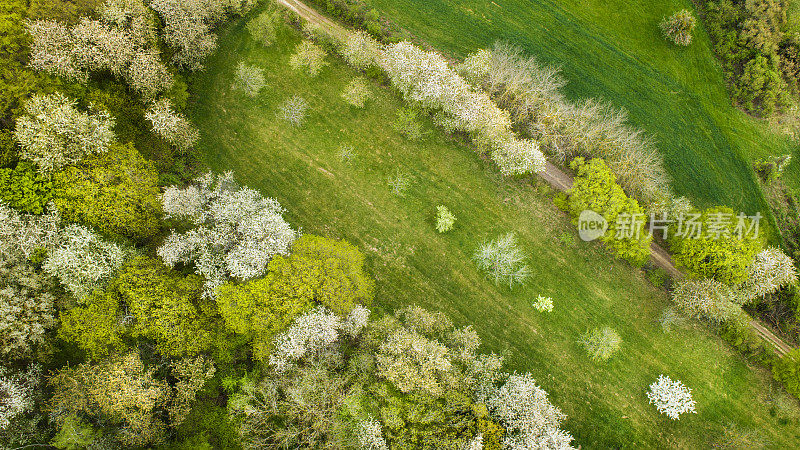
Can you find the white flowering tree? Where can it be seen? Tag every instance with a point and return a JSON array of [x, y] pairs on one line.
[[503, 260], [308, 58], [426, 79], [707, 298], [188, 26], [671, 397], [313, 333], [235, 230], [360, 50], [53, 132], [369, 435], [82, 261], [770, 270], [26, 303], [357, 92], [531, 421], [170, 125], [123, 42], [248, 79], [293, 110]]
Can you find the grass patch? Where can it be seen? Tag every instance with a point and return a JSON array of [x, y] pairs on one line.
[[349, 198]]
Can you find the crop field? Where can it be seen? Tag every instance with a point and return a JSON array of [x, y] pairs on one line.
[[346, 195], [614, 50]]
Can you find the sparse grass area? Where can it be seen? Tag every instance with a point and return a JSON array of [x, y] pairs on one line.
[[614, 50], [328, 194]]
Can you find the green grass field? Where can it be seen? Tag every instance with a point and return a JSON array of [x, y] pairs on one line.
[[413, 264], [614, 50]]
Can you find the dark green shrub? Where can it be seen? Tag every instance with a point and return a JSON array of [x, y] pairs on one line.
[[787, 371]]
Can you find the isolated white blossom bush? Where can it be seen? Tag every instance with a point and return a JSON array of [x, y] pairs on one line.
[[17, 393], [82, 261], [531, 421], [236, 231], [503, 260], [671, 397], [170, 125], [293, 110], [308, 58], [53, 133], [249, 79], [313, 333], [770, 270]]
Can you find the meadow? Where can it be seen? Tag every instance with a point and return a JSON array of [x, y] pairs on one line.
[[349, 198], [614, 50]]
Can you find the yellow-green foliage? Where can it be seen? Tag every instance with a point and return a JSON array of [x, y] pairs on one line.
[[722, 257], [787, 371], [116, 192], [596, 189], [25, 189], [167, 307], [163, 306], [96, 326]]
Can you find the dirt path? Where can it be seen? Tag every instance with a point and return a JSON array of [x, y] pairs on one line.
[[552, 174]]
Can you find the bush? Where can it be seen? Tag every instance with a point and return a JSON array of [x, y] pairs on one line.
[[678, 27], [357, 92], [407, 123], [308, 58], [787, 371], [543, 304], [248, 79], [262, 27], [595, 189], [399, 183], [444, 219], [601, 343], [707, 299], [25, 189], [503, 260], [715, 244], [293, 110]]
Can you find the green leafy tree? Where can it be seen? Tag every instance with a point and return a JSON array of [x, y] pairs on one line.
[[116, 192], [787, 371], [97, 327], [596, 189], [25, 189], [718, 250]]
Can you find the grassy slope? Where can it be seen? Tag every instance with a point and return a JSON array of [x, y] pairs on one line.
[[606, 403], [613, 49]]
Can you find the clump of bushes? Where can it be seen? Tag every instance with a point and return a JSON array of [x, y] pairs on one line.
[[595, 189], [601, 343], [357, 92], [678, 27], [308, 58]]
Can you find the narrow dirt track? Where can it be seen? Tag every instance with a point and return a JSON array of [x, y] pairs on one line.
[[557, 178]]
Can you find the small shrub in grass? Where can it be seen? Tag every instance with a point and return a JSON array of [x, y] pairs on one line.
[[678, 27], [444, 219], [408, 124], [357, 92], [787, 371], [671, 319], [503, 260], [346, 153], [657, 276], [262, 27], [671, 397], [308, 58], [543, 304], [248, 79], [293, 110], [601, 343], [399, 183]]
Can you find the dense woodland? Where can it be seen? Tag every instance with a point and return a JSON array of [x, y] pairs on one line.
[[148, 302]]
